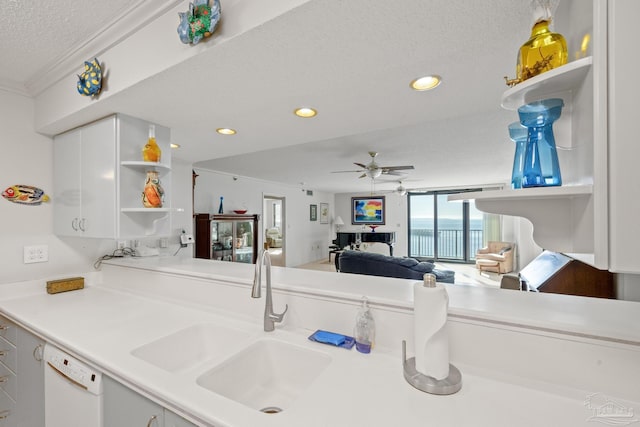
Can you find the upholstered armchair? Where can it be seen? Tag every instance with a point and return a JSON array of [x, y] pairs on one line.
[[496, 257], [274, 238]]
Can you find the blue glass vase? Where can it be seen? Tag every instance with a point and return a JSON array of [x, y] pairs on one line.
[[541, 166], [518, 134]]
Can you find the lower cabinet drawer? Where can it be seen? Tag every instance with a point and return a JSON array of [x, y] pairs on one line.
[[7, 410], [7, 381], [8, 354], [8, 329]]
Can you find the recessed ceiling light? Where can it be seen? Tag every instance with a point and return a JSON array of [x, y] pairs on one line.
[[175, 145], [425, 83], [226, 131], [305, 112]]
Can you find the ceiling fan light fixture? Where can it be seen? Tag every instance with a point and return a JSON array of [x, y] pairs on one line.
[[305, 112], [401, 190], [426, 83], [373, 172], [226, 131]]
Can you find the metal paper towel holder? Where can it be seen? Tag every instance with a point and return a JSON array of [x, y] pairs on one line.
[[449, 385]]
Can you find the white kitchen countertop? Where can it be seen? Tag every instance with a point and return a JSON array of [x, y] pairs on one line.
[[103, 325], [614, 320]]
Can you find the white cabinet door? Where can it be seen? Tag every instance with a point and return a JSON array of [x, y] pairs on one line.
[[30, 393], [66, 179], [98, 177], [85, 181], [173, 420], [624, 150], [124, 407]]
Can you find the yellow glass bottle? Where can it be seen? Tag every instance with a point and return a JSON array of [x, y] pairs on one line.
[[545, 50], [151, 151]]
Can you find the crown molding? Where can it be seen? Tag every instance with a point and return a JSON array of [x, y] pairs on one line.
[[14, 87], [126, 24]]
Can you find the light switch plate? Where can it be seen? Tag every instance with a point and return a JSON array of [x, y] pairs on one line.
[[185, 239]]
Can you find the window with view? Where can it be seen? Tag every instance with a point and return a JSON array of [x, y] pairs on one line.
[[443, 230]]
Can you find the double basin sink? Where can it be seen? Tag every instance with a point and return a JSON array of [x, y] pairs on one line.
[[267, 375]]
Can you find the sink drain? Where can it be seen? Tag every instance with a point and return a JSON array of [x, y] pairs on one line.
[[271, 410]]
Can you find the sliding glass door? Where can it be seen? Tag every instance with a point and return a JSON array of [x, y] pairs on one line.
[[443, 230]]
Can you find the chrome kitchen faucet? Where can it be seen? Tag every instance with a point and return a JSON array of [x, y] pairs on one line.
[[270, 318]]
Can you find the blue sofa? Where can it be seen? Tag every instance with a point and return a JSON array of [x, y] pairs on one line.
[[374, 264]]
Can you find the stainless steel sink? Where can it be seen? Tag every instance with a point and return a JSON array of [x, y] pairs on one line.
[[267, 376], [190, 346]]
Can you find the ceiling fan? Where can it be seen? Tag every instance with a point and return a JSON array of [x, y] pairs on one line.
[[374, 170], [400, 190]]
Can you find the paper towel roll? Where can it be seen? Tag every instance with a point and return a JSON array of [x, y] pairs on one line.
[[430, 336]]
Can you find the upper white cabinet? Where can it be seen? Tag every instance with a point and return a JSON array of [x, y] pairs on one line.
[[99, 178], [84, 181], [573, 218]]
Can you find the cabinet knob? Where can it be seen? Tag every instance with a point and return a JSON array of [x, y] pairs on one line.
[[4, 414], [81, 224], [74, 224], [4, 327]]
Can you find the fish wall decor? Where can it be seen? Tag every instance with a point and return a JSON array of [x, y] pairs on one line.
[[90, 81], [199, 22], [25, 195]]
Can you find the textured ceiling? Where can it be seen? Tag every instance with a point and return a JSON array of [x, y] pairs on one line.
[[352, 60], [36, 34]]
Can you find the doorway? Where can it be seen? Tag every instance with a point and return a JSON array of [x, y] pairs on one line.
[[274, 229]]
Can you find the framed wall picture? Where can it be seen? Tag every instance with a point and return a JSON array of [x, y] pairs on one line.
[[367, 210], [313, 212], [324, 213]]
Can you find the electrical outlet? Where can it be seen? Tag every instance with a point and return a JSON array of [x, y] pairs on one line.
[[38, 253], [122, 244]]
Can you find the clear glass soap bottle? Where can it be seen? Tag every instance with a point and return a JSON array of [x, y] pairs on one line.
[[364, 331]]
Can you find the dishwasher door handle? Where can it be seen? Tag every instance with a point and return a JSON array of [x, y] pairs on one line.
[[62, 374]]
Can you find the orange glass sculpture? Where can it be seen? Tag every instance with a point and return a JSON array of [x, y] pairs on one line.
[[151, 151]]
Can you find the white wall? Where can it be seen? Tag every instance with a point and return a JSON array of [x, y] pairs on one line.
[[305, 241], [27, 159]]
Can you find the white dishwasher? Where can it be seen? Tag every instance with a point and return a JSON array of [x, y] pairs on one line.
[[73, 391]]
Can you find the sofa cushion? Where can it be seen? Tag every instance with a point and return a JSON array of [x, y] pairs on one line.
[[388, 266]]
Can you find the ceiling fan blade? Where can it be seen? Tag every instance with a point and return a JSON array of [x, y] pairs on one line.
[[345, 171], [361, 165], [396, 168], [395, 173], [364, 175]]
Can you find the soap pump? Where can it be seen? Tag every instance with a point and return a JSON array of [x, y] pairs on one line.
[[365, 329]]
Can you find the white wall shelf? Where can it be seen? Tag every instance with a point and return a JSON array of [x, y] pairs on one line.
[[144, 210], [558, 214], [140, 165], [535, 193], [562, 79]]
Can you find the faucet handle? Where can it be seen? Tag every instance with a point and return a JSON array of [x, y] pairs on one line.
[[278, 317]]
